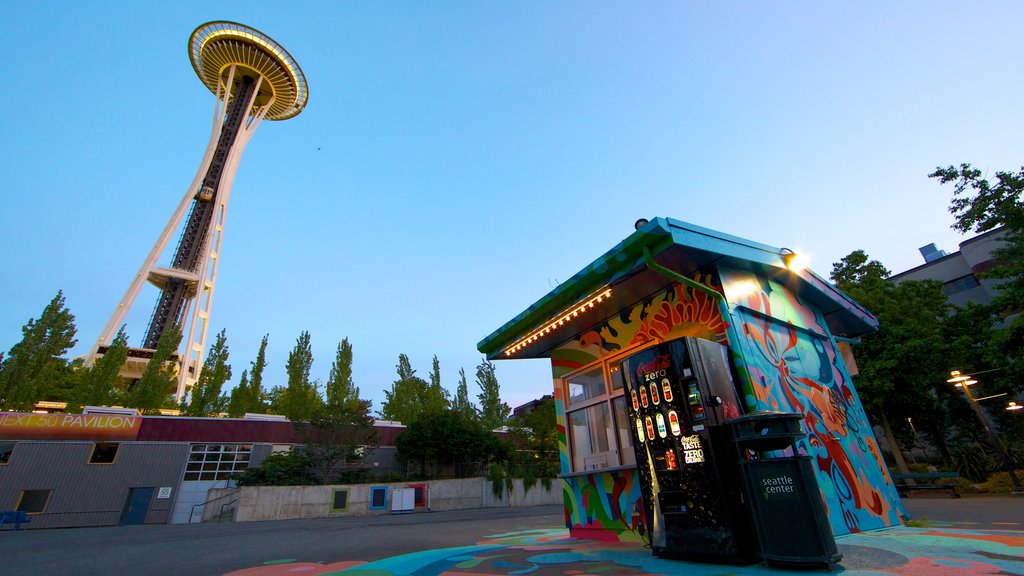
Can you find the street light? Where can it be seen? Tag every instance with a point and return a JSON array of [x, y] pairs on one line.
[[964, 382]]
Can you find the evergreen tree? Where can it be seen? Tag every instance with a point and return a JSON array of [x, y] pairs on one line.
[[36, 360], [402, 402], [493, 412], [158, 382], [300, 400], [461, 403], [437, 399], [97, 384], [205, 398], [341, 390], [237, 401], [256, 398]]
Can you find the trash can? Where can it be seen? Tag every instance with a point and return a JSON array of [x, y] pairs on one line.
[[785, 503]]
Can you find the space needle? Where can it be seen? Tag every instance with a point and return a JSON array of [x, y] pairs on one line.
[[252, 78]]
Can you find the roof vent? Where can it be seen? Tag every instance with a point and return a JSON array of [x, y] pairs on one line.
[[931, 253]]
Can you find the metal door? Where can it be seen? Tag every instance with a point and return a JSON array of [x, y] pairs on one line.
[[137, 506]]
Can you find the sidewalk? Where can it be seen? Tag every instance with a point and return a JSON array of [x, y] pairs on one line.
[[924, 551]]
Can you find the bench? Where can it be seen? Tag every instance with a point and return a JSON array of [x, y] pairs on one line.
[[18, 518], [929, 482]]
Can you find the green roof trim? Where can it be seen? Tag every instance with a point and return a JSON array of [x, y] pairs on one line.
[[703, 244]]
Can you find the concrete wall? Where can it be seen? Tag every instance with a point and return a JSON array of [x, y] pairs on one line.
[[256, 503]]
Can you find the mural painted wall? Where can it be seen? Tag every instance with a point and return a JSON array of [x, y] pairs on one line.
[[792, 365], [602, 505]]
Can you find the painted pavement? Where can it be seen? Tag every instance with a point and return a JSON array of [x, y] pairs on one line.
[[932, 550]]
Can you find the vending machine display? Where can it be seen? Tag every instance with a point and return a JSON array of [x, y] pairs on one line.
[[681, 393]]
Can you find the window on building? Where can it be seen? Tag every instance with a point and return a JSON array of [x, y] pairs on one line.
[[599, 433], [104, 452], [961, 284], [33, 501], [6, 449], [216, 461]]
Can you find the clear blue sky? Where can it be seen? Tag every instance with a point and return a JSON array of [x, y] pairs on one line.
[[457, 159]]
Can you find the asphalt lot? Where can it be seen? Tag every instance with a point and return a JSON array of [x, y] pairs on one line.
[[221, 548]]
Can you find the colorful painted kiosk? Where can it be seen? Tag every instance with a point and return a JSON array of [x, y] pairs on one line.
[[785, 332]]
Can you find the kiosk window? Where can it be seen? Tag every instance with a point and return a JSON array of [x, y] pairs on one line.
[[598, 429], [585, 386]]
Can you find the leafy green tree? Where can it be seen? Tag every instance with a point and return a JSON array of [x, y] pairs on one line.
[[537, 434], [980, 204], [97, 384], [446, 443], [902, 364], [461, 403], [341, 389], [37, 359], [335, 435], [205, 398], [159, 380], [493, 411], [403, 402], [300, 400], [292, 468]]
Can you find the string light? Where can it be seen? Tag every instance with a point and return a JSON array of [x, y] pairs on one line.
[[559, 319]]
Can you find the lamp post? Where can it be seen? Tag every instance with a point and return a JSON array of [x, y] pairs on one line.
[[964, 381]]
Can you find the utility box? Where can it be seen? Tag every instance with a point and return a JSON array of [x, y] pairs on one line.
[[782, 491], [403, 500]]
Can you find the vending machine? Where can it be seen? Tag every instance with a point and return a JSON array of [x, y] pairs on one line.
[[680, 393]]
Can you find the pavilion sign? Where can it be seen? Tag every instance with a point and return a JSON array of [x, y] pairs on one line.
[[21, 426]]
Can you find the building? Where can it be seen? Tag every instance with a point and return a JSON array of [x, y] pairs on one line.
[[104, 469], [786, 332], [959, 271]]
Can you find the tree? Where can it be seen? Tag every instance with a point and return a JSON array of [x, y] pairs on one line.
[[237, 400], [442, 443], [493, 412], [461, 403], [902, 364], [300, 400], [37, 359], [248, 396], [403, 402], [257, 393], [981, 205], [154, 388], [341, 390], [437, 399], [336, 434], [97, 384], [205, 399]]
